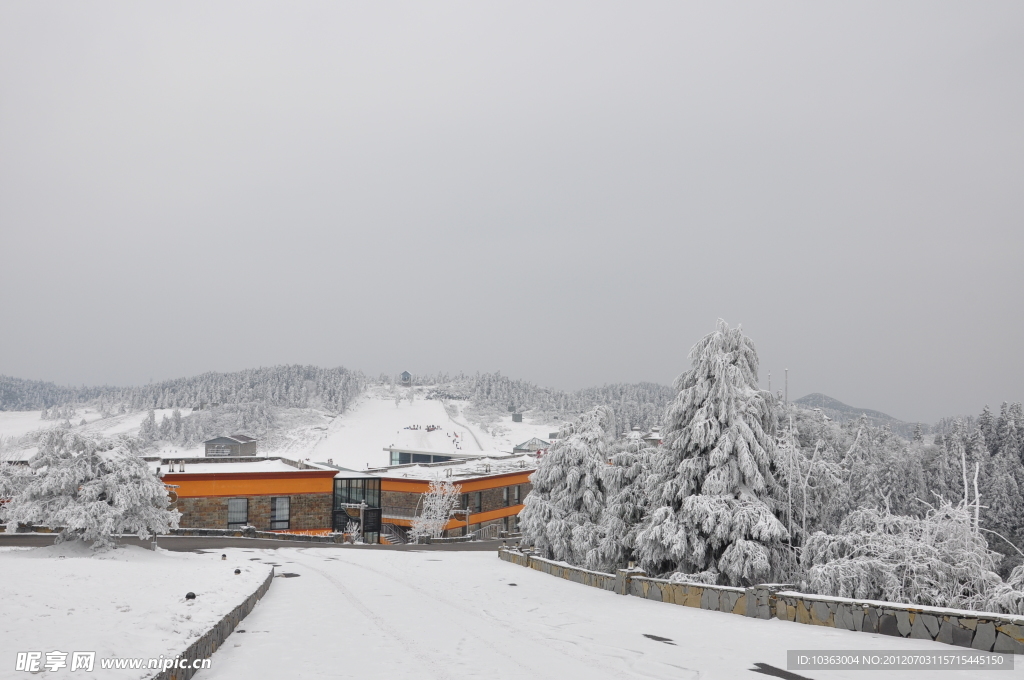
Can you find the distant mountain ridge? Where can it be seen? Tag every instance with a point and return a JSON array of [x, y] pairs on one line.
[[837, 410]]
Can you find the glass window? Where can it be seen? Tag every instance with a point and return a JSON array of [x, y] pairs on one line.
[[357, 491], [280, 509], [465, 501], [504, 496], [516, 499], [478, 501], [238, 512]]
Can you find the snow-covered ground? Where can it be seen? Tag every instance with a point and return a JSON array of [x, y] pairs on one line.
[[128, 602], [441, 614]]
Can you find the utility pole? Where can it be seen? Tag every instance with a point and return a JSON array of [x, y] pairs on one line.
[[787, 387], [769, 382]]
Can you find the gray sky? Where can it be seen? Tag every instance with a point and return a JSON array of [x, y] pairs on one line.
[[570, 193]]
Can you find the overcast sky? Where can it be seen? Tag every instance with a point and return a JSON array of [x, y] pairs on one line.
[[570, 193]]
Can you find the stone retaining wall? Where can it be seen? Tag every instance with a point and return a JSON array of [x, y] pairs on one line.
[[978, 630], [595, 579], [205, 646]]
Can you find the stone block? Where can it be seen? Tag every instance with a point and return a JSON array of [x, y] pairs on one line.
[[931, 623], [919, 630], [844, 617], [858, 618], [764, 612], [971, 624], [1013, 631], [726, 601], [741, 605], [903, 622], [962, 637], [710, 600], [820, 614], [888, 625], [1005, 643], [654, 592], [694, 597], [802, 615], [984, 637], [945, 634]]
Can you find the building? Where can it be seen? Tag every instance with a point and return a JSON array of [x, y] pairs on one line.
[[653, 438], [405, 378], [271, 494], [517, 417], [282, 495], [401, 455], [493, 490], [233, 446], [532, 446]]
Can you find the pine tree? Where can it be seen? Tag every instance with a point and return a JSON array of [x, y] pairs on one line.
[[625, 481], [562, 513], [91, 490], [713, 483]]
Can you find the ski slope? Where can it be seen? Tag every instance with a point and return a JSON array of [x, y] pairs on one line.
[[357, 438]]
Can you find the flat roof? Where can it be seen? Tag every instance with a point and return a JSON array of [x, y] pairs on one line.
[[275, 465], [461, 470]]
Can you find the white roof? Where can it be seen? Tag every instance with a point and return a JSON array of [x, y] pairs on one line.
[[485, 466], [259, 465]]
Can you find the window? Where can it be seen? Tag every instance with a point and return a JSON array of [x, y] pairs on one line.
[[238, 512], [357, 491], [478, 501], [279, 512], [516, 499], [504, 496], [464, 502]]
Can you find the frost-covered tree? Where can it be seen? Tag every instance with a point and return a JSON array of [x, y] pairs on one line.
[[91, 490], [562, 513], [441, 498], [625, 483], [713, 486], [938, 560]]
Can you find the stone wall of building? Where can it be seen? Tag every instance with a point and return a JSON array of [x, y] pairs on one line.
[[306, 511]]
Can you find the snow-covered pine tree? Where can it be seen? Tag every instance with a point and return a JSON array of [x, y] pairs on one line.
[[91, 490], [713, 485], [625, 482], [562, 513]]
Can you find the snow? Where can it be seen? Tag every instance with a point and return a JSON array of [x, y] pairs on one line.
[[466, 614], [480, 467], [127, 602], [19, 423], [258, 465], [357, 438]]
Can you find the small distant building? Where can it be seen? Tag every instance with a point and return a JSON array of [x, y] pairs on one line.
[[553, 436], [517, 417], [532, 446], [405, 378], [235, 445], [653, 438]]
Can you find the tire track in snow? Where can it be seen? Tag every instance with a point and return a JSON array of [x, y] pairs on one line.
[[432, 665], [634, 665]]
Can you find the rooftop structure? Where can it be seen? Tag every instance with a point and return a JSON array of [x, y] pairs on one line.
[[234, 445], [532, 446]]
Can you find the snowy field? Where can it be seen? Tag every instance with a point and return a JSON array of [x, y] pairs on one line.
[[446, 614], [128, 602]]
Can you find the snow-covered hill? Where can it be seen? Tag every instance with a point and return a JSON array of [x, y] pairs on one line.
[[354, 439]]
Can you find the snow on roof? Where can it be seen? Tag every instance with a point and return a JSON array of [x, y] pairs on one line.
[[235, 438], [484, 466], [532, 445], [258, 465]]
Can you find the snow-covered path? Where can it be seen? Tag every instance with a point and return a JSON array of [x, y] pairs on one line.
[[456, 615]]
